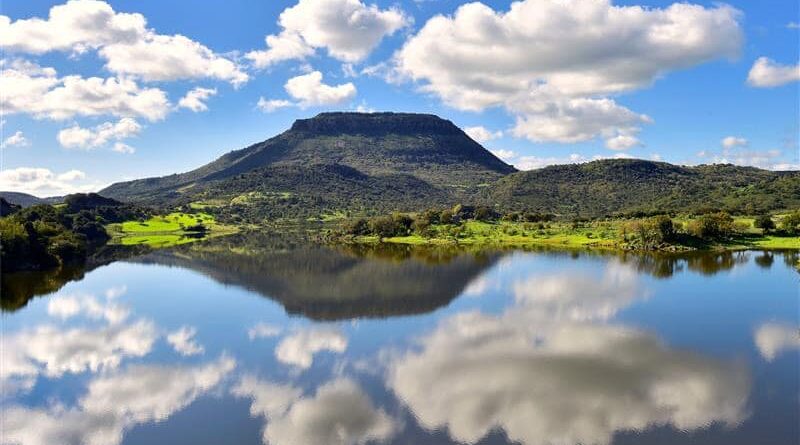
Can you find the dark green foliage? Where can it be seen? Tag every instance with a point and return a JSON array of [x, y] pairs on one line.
[[638, 188], [715, 226], [44, 236], [7, 208], [649, 233], [485, 214], [446, 217], [384, 227], [764, 222], [358, 227], [791, 223]]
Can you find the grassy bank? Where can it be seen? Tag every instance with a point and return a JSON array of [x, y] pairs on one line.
[[168, 230], [606, 234]]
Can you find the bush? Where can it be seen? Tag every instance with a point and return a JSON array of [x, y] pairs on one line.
[[764, 222], [485, 214], [384, 227], [359, 227], [712, 226], [791, 223], [446, 217]]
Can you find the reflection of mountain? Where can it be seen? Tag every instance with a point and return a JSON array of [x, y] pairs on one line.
[[327, 284]]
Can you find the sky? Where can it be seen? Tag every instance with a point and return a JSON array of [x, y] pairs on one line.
[[95, 92]]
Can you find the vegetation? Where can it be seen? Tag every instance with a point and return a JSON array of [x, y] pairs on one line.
[[479, 225], [167, 230], [45, 236]]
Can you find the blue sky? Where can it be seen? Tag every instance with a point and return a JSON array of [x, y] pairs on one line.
[[92, 91]]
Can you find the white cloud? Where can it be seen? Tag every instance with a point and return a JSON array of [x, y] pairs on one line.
[[163, 58], [44, 182], [74, 26], [549, 370], [183, 342], [766, 73], [556, 82], [299, 348], [793, 25], [119, 147], [622, 142], [38, 91], [195, 99], [263, 330], [505, 155], [292, 419], [115, 403], [17, 139], [735, 154], [481, 134], [772, 339], [348, 29], [67, 306], [122, 39], [86, 138], [309, 90], [733, 141], [270, 105]]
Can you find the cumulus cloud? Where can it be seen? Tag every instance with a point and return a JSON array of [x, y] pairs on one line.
[[309, 90], [733, 141], [115, 403], [734, 153], [534, 162], [505, 155], [44, 182], [270, 105], [292, 419], [299, 348], [773, 338], [348, 29], [122, 39], [766, 73], [622, 142], [263, 330], [549, 370], [555, 82], [17, 139], [120, 147], [183, 342], [88, 138], [67, 306], [482, 134], [38, 91], [195, 99]]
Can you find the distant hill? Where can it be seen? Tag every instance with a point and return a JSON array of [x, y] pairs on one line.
[[402, 154], [609, 187], [378, 162], [26, 200]]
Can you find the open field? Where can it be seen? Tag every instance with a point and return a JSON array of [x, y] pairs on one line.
[[168, 230]]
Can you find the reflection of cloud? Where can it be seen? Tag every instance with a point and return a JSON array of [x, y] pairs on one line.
[[66, 306], [339, 413], [183, 342], [113, 403], [550, 371], [75, 350], [263, 330], [569, 296], [771, 339], [298, 349], [477, 287]]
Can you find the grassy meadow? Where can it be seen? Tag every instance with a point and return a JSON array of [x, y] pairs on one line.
[[168, 230]]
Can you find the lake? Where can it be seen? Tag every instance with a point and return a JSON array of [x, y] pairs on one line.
[[250, 340]]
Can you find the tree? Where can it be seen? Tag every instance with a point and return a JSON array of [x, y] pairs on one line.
[[791, 223], [484, 213], [384, 226], [358, 227], [446, 217], [712, 226], [764, 222]]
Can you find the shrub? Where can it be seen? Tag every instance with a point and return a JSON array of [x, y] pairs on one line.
[[764, 222], [484, 213], [384, 226], [791, 223], [712, 226], [359, 227], [446, 217]]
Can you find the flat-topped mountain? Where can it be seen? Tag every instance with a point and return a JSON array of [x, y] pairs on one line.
[[428, 151]]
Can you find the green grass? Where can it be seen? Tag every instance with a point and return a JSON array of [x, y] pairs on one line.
[[166, 230]]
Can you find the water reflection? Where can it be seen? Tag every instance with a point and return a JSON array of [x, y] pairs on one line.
[[529, 348]]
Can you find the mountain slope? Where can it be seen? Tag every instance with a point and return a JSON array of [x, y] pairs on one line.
[[26, 200], [381, 145], [608, 187]]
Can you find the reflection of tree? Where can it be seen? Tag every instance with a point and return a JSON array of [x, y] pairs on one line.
[[17, 288], [334, 283], [765, 260]]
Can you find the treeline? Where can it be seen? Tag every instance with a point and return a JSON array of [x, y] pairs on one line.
[[46, 236]]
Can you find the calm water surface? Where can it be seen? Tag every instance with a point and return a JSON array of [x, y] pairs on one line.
[[248, 341]]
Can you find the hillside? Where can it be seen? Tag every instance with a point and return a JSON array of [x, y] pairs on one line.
[[26, 200], [411, 155], [609, 187]]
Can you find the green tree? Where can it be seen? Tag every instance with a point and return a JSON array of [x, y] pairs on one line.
[[764, 222], [791, 223]]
